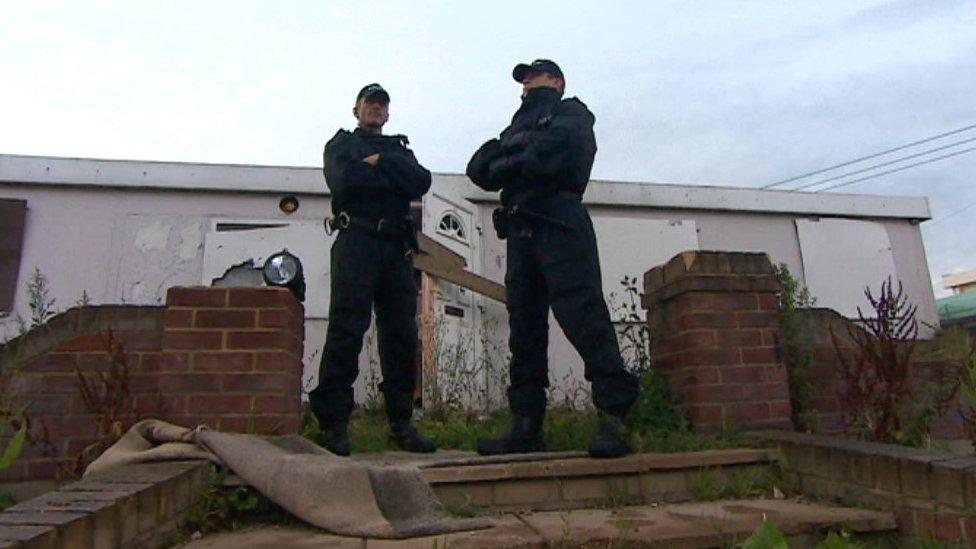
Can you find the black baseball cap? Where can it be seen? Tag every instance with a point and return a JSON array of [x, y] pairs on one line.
[[539, 65], [371, 90]]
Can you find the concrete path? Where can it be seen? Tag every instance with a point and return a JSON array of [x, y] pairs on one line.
[[707, 524]]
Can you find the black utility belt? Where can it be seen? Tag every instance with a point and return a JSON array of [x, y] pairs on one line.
[[504, 219], [387, 227]]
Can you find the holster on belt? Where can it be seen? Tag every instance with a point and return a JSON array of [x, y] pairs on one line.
[[387, 227], [503, 219], [499, 219], [411, 233]]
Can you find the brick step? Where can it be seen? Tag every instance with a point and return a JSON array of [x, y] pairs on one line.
[[143, 504], [130, 506], [551, 481]]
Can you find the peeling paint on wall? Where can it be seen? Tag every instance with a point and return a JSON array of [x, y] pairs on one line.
[[191, 242], [156, 252], [153, 237], [306, 239]]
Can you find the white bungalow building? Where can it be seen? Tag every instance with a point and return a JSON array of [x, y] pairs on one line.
[[125, 231]]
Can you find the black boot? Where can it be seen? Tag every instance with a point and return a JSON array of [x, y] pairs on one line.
[[523, 437], [405, 437], [610, 440], [335, 438]]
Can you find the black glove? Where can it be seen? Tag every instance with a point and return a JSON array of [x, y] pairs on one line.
[[504, 168], [517, 141]]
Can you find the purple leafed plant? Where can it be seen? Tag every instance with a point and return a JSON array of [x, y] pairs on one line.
[[878, 368]]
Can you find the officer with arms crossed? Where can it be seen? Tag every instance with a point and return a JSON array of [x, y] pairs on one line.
[[541, 163], [373, 177]]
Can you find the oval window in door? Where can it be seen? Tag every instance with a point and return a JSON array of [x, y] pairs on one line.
[[450, 225]]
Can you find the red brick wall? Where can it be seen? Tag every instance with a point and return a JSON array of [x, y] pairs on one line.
[[238, 353], [718, 326], [718, 343], [230, 358]]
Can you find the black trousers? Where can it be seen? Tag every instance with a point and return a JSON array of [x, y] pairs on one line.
[[368, 270], [555, 264]]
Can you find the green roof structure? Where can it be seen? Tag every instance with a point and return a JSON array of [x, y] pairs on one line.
[[957, 307]]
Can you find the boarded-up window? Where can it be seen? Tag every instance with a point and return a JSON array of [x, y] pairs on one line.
[[12, 214], [842, 257]]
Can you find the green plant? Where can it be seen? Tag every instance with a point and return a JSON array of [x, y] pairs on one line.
[[932, 399], [765, 536], [470, 368], [566, 429], [84, 300], [372, 399], [841, 540], [965, 356], [459, 377], [744, 482], [224, 507], [618, 496], [778, 479], [309, 425], [494, 358], [654, 413], [14, 425], [969, 397], [39, 302], [12, 450], [792, 298], [705, 484], [570, 393]]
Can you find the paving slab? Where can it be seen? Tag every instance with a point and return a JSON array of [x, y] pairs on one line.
[[705, 524], [791, 516], [274, 538]]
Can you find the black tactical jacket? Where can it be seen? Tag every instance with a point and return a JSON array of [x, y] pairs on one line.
[[549, 147], [383, 191]]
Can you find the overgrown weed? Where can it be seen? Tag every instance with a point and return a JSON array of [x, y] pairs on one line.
[[792, 298], [705, 484], [225, 508], [655, 421], [886, 400]]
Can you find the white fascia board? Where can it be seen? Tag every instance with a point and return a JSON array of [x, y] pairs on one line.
[[739, 199], [131, 174]]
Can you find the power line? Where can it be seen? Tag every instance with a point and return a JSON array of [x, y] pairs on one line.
[[883, 164], [844, 184], [868, 157], [950, 214]]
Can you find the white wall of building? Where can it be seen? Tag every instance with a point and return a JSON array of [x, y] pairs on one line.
[[126, 231]]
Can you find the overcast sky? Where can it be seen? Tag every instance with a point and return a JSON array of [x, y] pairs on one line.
[[739, 93]]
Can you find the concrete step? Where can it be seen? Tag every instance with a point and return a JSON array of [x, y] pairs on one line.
[[539, 482], [687, 525]]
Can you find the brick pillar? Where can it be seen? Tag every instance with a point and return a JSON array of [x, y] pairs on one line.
[[716, 326], [232, 358]]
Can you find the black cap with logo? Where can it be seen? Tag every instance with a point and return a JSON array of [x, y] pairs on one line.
[[539, 65], [371, 90]]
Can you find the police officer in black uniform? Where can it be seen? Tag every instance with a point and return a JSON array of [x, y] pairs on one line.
[[541, 163], [373, 177]]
